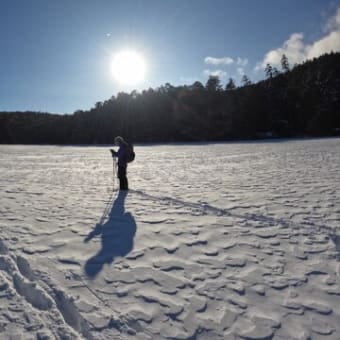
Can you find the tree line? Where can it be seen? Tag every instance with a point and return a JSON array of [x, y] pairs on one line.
[[303, 100]]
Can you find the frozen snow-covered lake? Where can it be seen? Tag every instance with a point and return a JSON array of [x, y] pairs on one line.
[[214, 241]]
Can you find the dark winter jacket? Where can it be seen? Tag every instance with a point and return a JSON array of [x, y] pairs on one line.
[[121, 154]]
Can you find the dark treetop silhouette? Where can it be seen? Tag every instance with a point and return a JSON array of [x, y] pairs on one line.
[[117, 235], [300, 101]]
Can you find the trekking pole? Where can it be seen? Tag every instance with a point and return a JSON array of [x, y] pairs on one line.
[[114, 171], [114, 168]]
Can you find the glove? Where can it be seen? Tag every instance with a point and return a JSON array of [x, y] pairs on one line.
[[113, 153]]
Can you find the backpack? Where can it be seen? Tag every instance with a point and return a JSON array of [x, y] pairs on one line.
[[130, 155]]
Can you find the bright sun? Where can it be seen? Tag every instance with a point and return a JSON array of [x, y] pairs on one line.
[[128, 67]]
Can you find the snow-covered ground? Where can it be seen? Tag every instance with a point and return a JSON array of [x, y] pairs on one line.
[[214, 241]]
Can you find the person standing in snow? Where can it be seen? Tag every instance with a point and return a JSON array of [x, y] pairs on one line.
[[122, 155]]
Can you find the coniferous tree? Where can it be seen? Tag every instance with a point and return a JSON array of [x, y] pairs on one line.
[[269, 71], [284, 63], [213, 84], [246, 81], [230, 85], [302, 102]]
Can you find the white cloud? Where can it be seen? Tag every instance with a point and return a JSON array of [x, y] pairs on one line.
[[215, 73], [333, 23], [327, 44], [297, 50], [240, 71], [219, 61], [242, 62], [294, 49]]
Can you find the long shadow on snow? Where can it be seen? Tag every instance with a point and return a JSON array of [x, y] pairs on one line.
[[117, 235]]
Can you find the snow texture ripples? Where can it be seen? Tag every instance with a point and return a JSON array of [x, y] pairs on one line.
[[213, 241]]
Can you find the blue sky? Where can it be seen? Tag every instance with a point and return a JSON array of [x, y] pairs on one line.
[[56, 55]]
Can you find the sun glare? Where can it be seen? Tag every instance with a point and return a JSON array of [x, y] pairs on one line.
[[128, 67]]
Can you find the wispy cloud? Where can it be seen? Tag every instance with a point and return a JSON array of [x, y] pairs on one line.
[[333, 23], [240, 71], [219, 61], [242, 62], [297, 50], [215, 73]]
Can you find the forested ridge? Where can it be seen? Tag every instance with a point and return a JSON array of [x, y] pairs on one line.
[[298, 101]]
